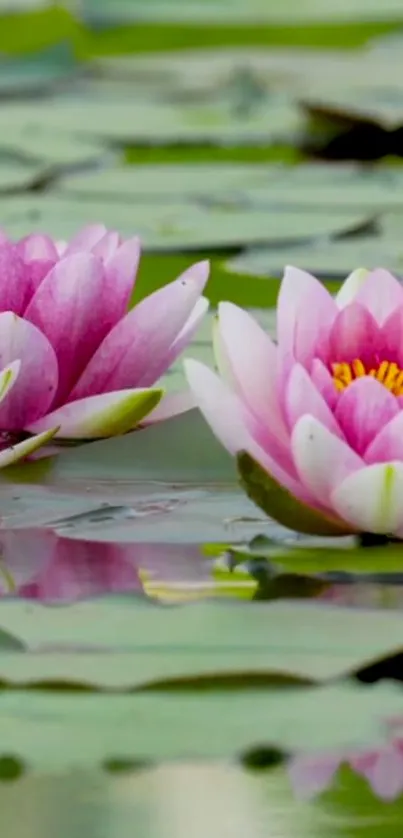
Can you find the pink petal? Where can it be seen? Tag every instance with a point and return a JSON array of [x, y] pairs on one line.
[[172, 404], [387, 445], [322, 459], [154, 371], [14, 285], [189, 330], [324, 383], [37, 247], [355, 334], [364, 407], [217, 403], [8, 377], [384, 772], [69, 308], [380, 294], [371, 499], [312, 774], [35, 273], [106, 247], [140, 343], [391, 333], [302, 397], [36, 385], [100, 416], [120, 275], [85, 239], [305, 313], [15, 453], [233, 425], [251, 360], [82, 569], [61, 247], [350, 287]]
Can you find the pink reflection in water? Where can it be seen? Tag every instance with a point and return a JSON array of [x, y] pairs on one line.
[[38, 564], [312, 774]]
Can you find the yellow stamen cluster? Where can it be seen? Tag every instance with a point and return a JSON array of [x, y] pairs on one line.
[[388, 373]]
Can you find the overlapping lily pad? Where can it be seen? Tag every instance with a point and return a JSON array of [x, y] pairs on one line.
[[236, 12], [265, 186], [252, 76], [18, 176], [54, 148], [126, 123], [327, 259], [169, 227], [54, 733], [148, 486], [37, 74], [209, 182], [171, 646]]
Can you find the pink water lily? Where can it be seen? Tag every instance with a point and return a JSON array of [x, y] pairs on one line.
[[320, 414], [382, 768], [74, 364]]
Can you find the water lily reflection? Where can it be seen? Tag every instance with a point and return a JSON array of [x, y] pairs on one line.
[[365, 595], [312, 774], [38, 564]]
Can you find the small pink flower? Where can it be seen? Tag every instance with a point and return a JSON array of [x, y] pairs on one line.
[[74, 364], [383, 769], [321, 412]]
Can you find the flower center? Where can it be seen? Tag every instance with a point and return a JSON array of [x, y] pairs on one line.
[[387, 372]]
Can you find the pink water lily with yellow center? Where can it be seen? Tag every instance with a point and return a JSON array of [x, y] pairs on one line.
[[74, 364], [316, 420]]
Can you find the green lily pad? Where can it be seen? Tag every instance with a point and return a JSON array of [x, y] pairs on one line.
[[177, 645], [56, 732], [151, 122], [320, 558], [38, 73], [277, 502], [148, 486], [17, 176], [38, 144], [214, 182], [255, 186], [330, 259], [235, 12], [316, 185], [169, 227]]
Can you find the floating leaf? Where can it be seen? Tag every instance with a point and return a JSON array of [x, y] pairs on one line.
[[168, 227], [56, 732], [211, 182], [154, 645], [38, 73], [235, 12], [137, 122], [327, 259]]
